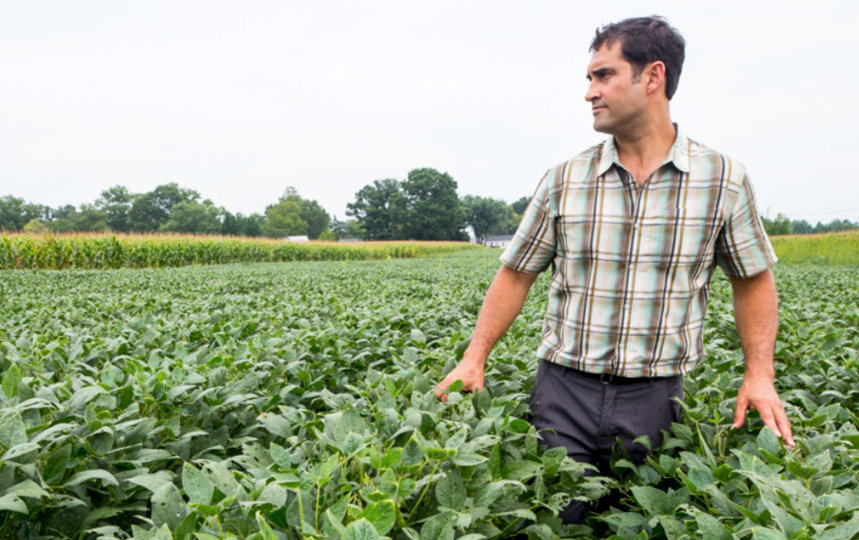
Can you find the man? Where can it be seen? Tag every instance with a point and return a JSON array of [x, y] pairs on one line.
[[633, 229]]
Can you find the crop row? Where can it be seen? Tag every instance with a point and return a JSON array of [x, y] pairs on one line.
[[95, 251], [286, 401]]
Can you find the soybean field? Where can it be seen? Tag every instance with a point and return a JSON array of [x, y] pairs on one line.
[[295, 400]]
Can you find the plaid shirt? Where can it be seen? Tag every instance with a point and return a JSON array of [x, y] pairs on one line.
[[631, 267]]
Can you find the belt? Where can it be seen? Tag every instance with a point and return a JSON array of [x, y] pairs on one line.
[[610, 378]]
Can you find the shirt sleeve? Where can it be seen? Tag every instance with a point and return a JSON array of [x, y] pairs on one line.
[[742, 247], [533, 246]]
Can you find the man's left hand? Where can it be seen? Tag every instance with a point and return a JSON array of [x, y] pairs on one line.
[[759, 393]]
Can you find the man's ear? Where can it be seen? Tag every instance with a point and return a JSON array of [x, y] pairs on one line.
[[654, 77]]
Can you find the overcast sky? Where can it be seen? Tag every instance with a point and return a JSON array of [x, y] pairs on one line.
[[239, 100]]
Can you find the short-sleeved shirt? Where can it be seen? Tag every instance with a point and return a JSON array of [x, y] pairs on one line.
[[631, 266]]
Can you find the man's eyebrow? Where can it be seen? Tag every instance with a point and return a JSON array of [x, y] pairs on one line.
[[600, 72]]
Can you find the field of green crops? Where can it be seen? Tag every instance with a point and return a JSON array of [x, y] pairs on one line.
[[271, 401], [102, 251]]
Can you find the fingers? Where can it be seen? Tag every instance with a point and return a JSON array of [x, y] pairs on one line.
[[772, 414], [740, 412], [769, 420], [468, 385], [784, 426]]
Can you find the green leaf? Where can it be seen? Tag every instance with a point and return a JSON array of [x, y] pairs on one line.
[[28, 488], [12, 430], [280, 455], [95, 474], [846, 529], [673, 527], [382, 515], [273, 494], [412, 453], [19, 450], [13, 503], [467, 459], [438, 527], [712, 528], [265, 528], [392, 457], [360, 530], [654, 501], [167, 506], [11, 380], [197, 485], [760, 533], [450, 490], [768, 441], [152, 481]]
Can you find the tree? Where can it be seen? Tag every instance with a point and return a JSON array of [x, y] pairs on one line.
[[194, 217], [435, 212], [250, 225], [116, 203], [15, 213], [68, 219], [801, 227], [780, 225], [284, 219], [352, 229], [381, 210], [152, 210], [35, 226], [486, 215], [520, 205], [316, 218]]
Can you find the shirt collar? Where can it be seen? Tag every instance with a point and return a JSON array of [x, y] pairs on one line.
[[678, 154]]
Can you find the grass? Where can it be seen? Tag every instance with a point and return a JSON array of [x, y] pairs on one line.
[[821, 249]]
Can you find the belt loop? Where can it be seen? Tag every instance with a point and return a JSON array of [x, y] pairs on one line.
[[605, 378]]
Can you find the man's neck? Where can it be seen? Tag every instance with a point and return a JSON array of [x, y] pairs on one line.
[[643, 151]]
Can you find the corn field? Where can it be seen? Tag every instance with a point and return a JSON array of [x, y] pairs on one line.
[[97, 251]]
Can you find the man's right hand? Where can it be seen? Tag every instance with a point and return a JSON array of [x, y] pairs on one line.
[[503, 302], [471, 373]]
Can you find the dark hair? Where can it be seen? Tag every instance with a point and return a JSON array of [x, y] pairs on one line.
[[644, 40]]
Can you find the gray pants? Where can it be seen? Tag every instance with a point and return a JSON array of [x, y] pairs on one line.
[[586, 415]]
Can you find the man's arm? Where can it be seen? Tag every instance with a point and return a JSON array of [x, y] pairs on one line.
[[756, 315], [502, 304]]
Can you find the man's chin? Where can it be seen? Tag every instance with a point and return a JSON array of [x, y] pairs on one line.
[[601, 127]]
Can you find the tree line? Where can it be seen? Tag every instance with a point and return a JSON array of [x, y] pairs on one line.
[[784, 225], [423, 206]]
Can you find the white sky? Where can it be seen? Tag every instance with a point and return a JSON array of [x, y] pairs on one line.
[[239, 100]]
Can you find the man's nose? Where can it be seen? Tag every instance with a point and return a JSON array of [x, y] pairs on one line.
[[591, 94]]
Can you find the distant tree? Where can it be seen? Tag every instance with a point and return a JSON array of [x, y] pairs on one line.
[[63, 219], [250, 225], [116, 203], [801, 226], [520, 205], [193, 217], [486, 215], [380, 210], [780, 225], [90, 219], [151, 210], [316, 218], [435, 212], [353, 229], [835, 225], [284, 219], [15, 213], [35, 226]]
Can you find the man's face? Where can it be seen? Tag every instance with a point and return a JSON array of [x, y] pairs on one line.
[[616, 96]]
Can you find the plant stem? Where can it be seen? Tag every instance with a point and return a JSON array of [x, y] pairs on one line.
[[424, 492]]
